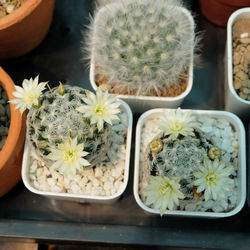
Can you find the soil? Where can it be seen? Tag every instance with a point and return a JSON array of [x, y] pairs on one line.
[[171, 92], [8, 6]]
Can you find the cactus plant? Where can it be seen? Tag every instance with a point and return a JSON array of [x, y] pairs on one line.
[[67, 123], [180, 157], [185, 167], [142, 47], [57, 119], [78, 142], [188, 151]]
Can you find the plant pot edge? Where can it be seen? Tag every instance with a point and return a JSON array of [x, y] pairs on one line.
[[218, 11], [16, 16], [233, 102], [242, 165], [11, 153], [25, 28]]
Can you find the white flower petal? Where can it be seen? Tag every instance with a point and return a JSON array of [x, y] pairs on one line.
[[100, 108], [163, 193], [68, 156], [29, 94], [214, 178], [175, 122]]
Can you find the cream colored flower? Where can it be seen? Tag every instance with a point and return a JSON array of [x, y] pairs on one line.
[[214, 178], [100, 108], [68, 157], [176, 122], [163, 193], [28, 95]]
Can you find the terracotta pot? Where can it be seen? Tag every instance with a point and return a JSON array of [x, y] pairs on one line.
[[218, 11], [12, 151], [25, 28]]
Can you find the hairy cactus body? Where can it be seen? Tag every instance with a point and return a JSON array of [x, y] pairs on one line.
[[142, 47], [57, 119]]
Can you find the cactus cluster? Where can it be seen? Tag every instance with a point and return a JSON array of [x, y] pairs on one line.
[[57, 119], [179, 157], [184, 168], [142, 47]]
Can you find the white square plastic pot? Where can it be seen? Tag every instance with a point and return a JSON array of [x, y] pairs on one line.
[[140, 104], [238, 127], [233, 102], [80, 197]]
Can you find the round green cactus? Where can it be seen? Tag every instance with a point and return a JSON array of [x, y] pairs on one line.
[[142, 47], [57, 119], [179, 157]]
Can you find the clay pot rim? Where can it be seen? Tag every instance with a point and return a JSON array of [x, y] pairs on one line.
[[235, 3], [27, 7], [15, 122]]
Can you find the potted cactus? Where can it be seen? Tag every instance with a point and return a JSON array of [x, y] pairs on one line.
[[78, 143], [190, 164], [237, 80], [143, 51]]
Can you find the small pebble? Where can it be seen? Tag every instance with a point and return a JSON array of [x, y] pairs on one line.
[[51, 182], [10, 8]]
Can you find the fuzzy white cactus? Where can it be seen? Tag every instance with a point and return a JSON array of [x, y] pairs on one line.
[[141, 46]]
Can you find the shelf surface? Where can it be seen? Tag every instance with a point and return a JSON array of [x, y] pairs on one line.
[[26, 215]]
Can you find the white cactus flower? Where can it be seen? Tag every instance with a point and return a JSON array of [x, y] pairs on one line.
[[214, 178], [163, 193], [176, 122], [68, 157], [100, 108], [28, 95]]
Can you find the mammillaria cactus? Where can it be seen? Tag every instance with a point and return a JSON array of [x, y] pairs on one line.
[[189, 151], [142, 47], [68, 127], [58, 119], [185, 166]]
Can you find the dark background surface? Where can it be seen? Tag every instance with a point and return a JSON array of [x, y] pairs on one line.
[[26, 215]]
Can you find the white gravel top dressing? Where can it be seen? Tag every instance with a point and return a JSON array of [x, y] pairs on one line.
[[105, 179], [223, 136]]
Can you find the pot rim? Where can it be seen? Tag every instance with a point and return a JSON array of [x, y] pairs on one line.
[[239, 127], [15, 120], [234, 17], [26, 9], [235, 3]]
